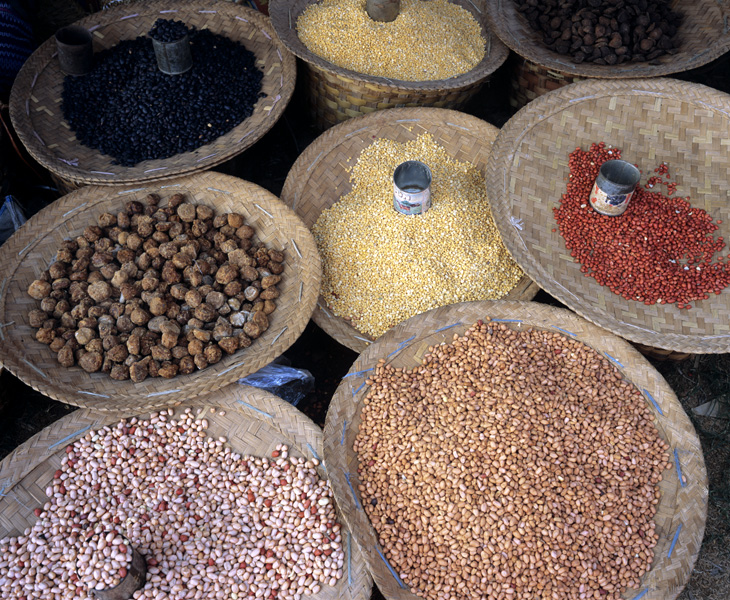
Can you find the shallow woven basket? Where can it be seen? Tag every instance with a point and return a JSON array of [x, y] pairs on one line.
[[651, 121], [321, 176], [703, 36], [337, 94], [36, 95], [32, 248], [255, 422], [682, 509]]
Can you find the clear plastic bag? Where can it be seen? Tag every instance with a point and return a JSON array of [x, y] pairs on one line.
[[283, 380], [11, 218]]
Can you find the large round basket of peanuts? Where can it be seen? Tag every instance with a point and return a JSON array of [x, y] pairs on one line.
[[223, 495], [514, 450], [137, 298]]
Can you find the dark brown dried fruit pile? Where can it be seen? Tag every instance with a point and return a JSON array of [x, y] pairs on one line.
[[155, 291], [605, 32]]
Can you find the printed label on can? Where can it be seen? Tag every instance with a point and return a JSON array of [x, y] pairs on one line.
[[411, 202], [606, 204]]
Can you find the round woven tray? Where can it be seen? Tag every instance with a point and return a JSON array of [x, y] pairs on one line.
[[30, 250], [255, 422], [651, 121], [337, 94], [321, 176], [702, 37], [682, 509], [36, 95]]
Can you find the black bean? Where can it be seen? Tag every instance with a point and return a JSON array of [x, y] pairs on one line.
[[128, 109]]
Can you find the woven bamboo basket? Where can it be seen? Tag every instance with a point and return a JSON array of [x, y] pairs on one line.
[[682, 509], [321, 176], [651, 121], [32, 248], [254, 423], [36, 94], [337, 94], [703, 37]]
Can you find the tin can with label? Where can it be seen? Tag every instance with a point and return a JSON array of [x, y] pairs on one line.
[[412, 188], [614, 187]]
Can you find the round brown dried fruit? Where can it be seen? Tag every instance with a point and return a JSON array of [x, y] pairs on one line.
[[39, 289]]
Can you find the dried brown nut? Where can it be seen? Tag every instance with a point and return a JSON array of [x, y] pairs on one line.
[[92, 233], [268, 281], [235, 220], [276, 255], [119, 278], [119, 372], [110, 341], [140, 316], [150, 284], [233, 288], [202, 335], [45, 335], [187, 365], [85, 335], [170, 274], [37, 317], [94, 277], [107, 220], [80, 264], [134, 207], [57, 344], [179, 351], [213, 354], [245, 232], [145, 226], [205, 312], [252, 330], [226, 273], [260, 318], [66, 357], [100, 291], [200, 228], [118, 353], [244, 341], [169, 340], [200, 361], [134, 344], [160, 353], [170, 328], [134, 241], [57, 270], [125, 324], [168, 250], [123, 220], [39, 289], [204, 212], [176, 229], [249, 273], [251, 293], [193, 298], [186, 212], [144, 261], [65, 255], [158, 306], [229, 344], [168, 370], [215, 299], [269, 307], [195, 347], [271, 293], [223, 328], [193, 276], [91, 361], [95, 345], [138, 371]]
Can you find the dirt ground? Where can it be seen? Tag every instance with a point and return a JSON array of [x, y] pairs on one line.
[[24, 412]]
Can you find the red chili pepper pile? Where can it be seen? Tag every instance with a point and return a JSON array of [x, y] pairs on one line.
[[659, 250]]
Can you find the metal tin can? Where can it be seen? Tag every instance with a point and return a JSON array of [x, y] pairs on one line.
[[614, 187], [173, 58], [412, 188], [75, 50]]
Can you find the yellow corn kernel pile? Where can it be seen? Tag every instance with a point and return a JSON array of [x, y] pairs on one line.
[[382, 267], [427, 41]]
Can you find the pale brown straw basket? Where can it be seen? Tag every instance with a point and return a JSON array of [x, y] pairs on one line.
[[32, 248], [321, 176], [651, 121], [682, 508], [253, 421]]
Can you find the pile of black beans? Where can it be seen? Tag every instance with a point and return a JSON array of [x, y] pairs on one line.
[[168, 30], [130, 110], [605, 32]]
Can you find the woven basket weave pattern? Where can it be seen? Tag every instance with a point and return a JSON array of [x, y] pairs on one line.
[[681, 512], [35, 99], [30, 250], [321, 176], [255, 422], [337, 94], [652, 121]]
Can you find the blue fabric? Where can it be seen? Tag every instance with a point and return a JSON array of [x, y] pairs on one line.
[[16, 45]]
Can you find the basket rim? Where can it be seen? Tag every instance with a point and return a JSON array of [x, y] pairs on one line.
[[99, 170], [440, 326], [246, 402], [496, 55], [98, 390], [533, 51], [501, 162], [296, 180]]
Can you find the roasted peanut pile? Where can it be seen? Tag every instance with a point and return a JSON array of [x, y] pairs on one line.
[[210, 523], [381, 267], [427, 41], [155, 291], [103, 560], [511, 464]]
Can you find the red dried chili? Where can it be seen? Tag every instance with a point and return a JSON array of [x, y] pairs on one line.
[[659, 250]]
